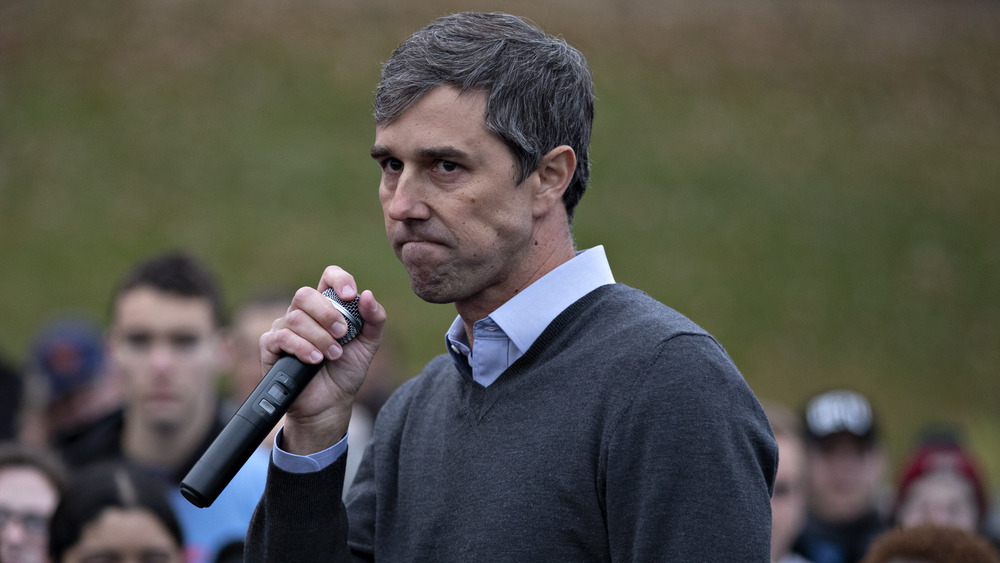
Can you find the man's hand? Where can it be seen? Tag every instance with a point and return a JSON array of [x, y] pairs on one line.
[[309, 331]]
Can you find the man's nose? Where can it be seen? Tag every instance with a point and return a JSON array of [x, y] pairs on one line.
[[407, 198]]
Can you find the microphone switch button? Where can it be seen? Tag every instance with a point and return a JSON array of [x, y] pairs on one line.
[[278, 393], [266, 406], [283, 378]]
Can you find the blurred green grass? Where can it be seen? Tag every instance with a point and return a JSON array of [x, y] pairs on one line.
[[815, 183]]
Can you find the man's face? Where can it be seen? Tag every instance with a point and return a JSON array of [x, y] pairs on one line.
[[455, 217], [943, 498], [788, 503], [844, 475], [168, 353], [27, 501]]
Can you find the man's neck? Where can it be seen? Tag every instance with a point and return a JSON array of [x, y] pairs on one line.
[[546, 256], [163, 445]]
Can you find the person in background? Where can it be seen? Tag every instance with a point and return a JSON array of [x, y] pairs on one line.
[[845, 467], [929, 543], [168, 343], [941, 483], [111, 513], [69, 382], [253, 319], [570, 417], [788, 502], [32, 480]]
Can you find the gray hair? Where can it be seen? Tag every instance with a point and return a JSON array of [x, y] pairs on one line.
[[540, 92]]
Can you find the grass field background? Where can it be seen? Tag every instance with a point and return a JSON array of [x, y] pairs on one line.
[[816, 183]]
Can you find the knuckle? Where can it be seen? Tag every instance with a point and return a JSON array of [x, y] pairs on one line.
[[295, 318], [302, 294]]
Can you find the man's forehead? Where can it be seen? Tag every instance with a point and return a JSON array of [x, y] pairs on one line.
[[443, 97], [150, 306], [443, 110]]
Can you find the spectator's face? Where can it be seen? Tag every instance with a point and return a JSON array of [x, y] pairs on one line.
[[788, 503], [455, 217], [27, 500], [168, 353], [125, 535], [942, 498], [843, 474]]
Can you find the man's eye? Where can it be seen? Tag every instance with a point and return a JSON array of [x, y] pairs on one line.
[[392, 164], [183, 342], [447, 166], [138, 340]]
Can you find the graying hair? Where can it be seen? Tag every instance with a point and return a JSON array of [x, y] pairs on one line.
[[540, 92]]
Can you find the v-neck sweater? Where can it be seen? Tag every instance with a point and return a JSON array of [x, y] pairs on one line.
[[625, 433]]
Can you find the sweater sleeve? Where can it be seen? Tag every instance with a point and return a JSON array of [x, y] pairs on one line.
[[691, 461], [300, 517]]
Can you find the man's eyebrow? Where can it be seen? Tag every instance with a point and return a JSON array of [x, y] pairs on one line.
[[379, 151], [447, 151]]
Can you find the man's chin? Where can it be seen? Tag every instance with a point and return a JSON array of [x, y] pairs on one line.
[[164, 416], [431, 297], [430, 289], [165, 426]]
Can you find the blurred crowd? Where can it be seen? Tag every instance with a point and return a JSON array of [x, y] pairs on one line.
[[836, 501], [103, 421]]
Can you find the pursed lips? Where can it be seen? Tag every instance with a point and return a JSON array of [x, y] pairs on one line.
[[407, 237], [159, 395], [409, 246]]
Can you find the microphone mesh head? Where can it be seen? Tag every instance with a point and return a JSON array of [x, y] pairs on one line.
[[350, 312]]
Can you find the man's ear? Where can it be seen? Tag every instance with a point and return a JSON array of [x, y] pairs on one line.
[[555, 172]]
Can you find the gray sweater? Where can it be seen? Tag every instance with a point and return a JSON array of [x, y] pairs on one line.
[[625, 433]]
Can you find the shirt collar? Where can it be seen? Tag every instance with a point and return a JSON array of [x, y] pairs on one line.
[[525, 316]]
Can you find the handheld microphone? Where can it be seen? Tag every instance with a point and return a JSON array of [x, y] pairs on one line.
[[258, 416]]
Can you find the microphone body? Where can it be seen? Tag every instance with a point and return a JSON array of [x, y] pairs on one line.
[[258, 415]]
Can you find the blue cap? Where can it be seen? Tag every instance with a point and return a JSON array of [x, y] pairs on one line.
[[69, 353]]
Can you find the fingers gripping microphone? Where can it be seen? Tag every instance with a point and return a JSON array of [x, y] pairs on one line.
[[257, 417]]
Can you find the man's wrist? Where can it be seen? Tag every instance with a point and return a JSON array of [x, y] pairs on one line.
[[309, 463], [312, 436]]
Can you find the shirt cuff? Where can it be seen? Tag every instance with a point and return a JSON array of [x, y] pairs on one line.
[[293, 463]]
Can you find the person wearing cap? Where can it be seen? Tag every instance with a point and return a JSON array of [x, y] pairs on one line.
[[941, 484], [69, 385], [846, 464]]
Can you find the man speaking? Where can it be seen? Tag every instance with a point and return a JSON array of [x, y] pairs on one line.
[[572, 418]]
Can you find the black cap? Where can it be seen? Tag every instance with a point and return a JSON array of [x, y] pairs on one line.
[[840, 411]]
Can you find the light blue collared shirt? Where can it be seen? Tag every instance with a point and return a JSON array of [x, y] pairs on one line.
[[499, 339], [507, 333]]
